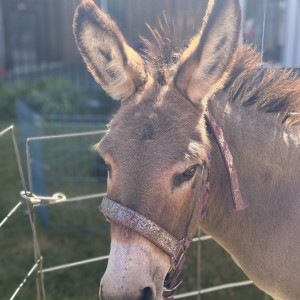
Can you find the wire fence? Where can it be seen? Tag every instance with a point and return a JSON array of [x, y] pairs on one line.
[[41, 293], [33, 201], [63, 163]]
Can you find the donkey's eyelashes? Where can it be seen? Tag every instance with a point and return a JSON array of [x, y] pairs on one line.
[[190, 172], [187, 175]]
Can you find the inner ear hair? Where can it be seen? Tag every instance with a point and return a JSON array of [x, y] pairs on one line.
[[205, 65], [116, 66]]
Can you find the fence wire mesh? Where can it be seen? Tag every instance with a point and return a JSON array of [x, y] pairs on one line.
[[41, 294]]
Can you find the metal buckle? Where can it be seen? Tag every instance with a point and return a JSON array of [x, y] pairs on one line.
[[35, 199], [175, 269]]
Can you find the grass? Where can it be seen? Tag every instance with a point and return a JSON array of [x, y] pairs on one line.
[[62, 244], [58, 246]]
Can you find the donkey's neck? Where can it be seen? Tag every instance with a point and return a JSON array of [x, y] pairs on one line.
[[267, 161]]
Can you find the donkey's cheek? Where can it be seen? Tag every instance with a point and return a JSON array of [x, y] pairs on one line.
[[182, 194]]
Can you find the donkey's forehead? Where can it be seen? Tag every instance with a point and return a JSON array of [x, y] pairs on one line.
[[162, 124]]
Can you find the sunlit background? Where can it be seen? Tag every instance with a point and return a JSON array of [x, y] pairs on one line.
[[46, 90], [38, 32]]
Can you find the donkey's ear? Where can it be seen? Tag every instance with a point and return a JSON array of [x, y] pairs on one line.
[[205, 65], [115, 65]]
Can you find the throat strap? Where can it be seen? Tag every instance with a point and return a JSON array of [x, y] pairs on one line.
[[237, 198]]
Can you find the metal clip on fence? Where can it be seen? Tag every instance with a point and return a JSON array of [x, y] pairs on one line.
[[35, 199]]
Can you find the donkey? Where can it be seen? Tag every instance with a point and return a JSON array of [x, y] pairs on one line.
[[162, 149]]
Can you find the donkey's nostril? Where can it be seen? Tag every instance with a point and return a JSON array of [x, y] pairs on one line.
[[147, 293]]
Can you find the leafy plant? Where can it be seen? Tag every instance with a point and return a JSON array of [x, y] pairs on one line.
[[8, 96], [53, 96], [50, 95]]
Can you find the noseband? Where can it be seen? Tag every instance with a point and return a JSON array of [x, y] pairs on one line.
[[174, 248]]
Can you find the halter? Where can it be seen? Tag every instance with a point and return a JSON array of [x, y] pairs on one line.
[[174, 248]]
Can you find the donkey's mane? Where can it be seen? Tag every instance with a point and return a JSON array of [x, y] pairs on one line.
[[274, 92], [162, 56]]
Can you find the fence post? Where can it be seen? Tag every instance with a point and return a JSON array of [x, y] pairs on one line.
[[30, 126]]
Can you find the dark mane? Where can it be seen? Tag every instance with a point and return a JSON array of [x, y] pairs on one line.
[[274, 92], [162, 56]]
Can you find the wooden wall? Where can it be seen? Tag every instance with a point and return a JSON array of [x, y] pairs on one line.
[[186, 14]]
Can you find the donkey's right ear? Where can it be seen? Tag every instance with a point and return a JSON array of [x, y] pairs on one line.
[[205, 65], [115, 65]]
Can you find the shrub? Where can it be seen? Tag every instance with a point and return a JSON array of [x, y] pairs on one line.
[[8, 96], [51, 96]]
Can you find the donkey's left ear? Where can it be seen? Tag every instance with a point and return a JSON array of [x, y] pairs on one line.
[[206, 64], [115, 65]]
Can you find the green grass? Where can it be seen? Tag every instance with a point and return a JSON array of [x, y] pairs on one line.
[[58, 246], [61, 245]]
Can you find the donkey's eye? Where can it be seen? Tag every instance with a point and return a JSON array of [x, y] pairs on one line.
[[185, 176], [108, 168], [189, 173]]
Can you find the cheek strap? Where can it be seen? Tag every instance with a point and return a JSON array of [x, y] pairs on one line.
[[237, 199]]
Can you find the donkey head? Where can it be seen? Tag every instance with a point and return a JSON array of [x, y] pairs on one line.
[[157, 142]]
